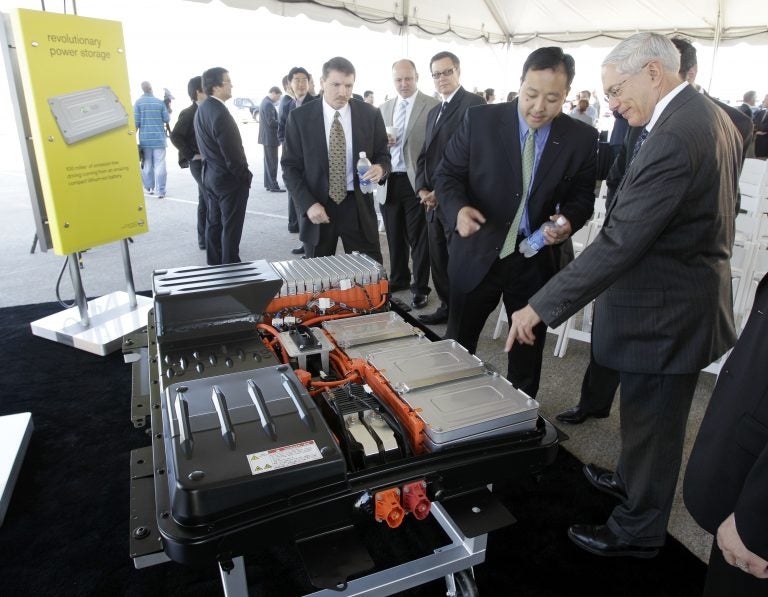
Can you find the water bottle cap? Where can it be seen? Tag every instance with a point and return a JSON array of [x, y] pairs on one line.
[[560, 221], [362, 154]]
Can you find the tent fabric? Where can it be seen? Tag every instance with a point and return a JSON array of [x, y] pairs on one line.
[[537, 21]]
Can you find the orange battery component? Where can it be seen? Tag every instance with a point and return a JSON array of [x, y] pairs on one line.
[[388, 508]]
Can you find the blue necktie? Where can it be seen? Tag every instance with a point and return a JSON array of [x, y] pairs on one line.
[[442, 109], [638, 144]]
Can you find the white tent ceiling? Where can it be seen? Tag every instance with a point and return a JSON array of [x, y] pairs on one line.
[[538, 22]]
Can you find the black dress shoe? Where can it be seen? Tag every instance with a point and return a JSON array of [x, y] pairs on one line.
[[600, 540], [419, 301], [604, 480], [293, 230], [298, 250], [577, 415], [439, 316], [277, 190]]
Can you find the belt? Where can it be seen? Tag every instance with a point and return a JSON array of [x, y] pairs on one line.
[[396, 174]]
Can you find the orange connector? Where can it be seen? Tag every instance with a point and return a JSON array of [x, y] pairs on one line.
[[415, 499], [388, 508]]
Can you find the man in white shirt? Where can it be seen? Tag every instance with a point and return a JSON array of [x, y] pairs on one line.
[[323, 141], [403, 213]]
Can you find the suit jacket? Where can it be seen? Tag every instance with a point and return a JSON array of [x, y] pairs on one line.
[[619, 166], [482, 168], [225, 166], [415, 131], [728, 468], [761, 141], [285, 110], [268, 123], [183, 135], [438, 134], [662, 258], [305, 160]]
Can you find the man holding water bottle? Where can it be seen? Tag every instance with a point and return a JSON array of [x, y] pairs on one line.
[[508, 170], [323, 142]]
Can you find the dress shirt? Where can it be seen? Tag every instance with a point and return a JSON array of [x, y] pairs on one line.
[[663, 103], [541, 141], [396, 151], [345, 117]]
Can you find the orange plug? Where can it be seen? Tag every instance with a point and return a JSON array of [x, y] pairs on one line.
[[415, 499], [388, 508]]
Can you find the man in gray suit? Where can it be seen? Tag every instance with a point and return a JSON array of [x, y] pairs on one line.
[[403, 213], [660, 270]]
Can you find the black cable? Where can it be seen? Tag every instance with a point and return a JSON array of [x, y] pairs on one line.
[[58, 285]]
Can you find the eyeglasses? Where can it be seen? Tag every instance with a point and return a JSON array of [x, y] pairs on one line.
[[446, 73], [615, 91]]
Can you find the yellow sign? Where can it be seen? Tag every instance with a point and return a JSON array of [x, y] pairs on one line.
[[75, 80]]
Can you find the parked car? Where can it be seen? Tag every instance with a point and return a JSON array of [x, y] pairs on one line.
[[245, 110]]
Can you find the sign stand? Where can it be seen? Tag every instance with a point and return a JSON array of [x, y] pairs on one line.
[[96, 326]]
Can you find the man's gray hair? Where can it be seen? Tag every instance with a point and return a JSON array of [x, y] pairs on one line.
[[631, 55]]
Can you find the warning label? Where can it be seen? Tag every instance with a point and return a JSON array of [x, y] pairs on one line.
[[263, 462]]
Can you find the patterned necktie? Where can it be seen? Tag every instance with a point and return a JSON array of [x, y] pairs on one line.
[[442, 109], [529, 156], [640, 140], [337, 162], [398, 163]]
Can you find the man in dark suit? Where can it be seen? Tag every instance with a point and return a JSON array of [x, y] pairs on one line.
[[226, 176], [268, 138], [299, 79], [402, 212], [760, 120], [750, 97], [442, 121], [183, 138], [599, 386], [493, 206], [726, 482], [660, 270], [323, 140]]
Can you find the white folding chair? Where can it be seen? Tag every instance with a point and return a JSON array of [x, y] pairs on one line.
[[741, 274], [759, 269], [753, 180]]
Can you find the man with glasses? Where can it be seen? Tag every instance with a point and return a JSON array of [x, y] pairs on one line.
[[226, 176], [660, 271], [508, 169], [299, 81], [442, 121]]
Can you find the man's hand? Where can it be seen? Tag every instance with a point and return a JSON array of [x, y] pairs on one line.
[[556, 234], [521, 327], [428, 199], [375, 172], [736, 553], [317, 214], [468, 221]]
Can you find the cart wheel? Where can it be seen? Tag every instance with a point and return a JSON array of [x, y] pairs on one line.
[[465, 584]]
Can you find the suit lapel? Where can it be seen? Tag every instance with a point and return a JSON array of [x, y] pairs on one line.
[[388, 112], [509, 135], [418, 107], [551, 151], [357, 132], [453, 106], [317, 124]]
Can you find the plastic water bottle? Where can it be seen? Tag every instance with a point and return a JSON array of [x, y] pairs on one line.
[[534, 243], [363, 164]]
